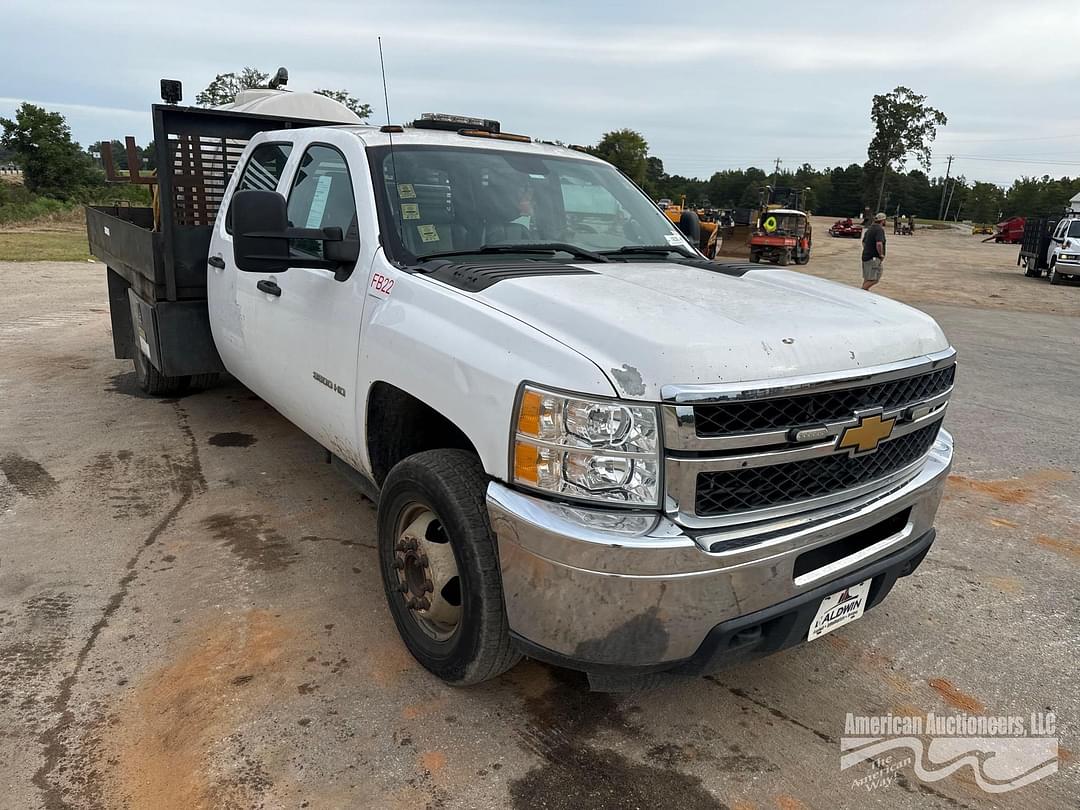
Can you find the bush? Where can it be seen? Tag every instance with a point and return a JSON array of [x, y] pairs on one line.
[[19, 204]]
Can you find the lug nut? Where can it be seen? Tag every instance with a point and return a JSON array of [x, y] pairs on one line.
[[423, 560], [400, 545], [413, 603], [423, 603]]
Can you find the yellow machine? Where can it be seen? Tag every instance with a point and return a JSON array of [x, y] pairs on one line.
[[710, 238]]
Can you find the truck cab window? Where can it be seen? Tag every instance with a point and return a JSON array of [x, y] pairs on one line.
[[451, 199], [321, 197], [262, 172]]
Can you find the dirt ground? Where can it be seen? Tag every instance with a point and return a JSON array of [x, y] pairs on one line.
[[191, 614], [943, 267]]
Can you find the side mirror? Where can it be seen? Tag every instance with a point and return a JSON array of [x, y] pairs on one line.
[[259, 221], [261, 235]]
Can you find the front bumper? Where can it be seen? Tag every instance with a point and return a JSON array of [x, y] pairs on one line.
[[611, 591]]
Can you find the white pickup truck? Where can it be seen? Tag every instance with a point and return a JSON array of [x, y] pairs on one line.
[[588, 445]]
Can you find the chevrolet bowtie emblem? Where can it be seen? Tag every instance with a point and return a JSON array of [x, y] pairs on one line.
[[865, 436]]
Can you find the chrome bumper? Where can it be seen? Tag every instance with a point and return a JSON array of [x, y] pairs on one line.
[[617, 589]]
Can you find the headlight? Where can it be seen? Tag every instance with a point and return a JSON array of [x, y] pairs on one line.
[[590, 449]]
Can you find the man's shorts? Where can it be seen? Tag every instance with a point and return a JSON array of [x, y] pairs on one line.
[[871, 270]]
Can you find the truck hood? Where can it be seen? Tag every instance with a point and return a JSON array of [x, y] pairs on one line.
[[649, 324]]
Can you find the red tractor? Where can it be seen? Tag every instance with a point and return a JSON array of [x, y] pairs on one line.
[[782, 235]]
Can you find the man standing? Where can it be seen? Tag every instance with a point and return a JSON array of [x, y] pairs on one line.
[[873, 252]]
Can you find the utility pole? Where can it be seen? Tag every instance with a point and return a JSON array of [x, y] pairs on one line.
[[945, 185], [948, 202], [776, 172]]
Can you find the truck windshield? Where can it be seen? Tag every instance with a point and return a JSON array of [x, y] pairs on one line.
[[437, 200], [1074, 229]]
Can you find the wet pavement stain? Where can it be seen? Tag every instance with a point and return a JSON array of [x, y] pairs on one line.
[[33, 644], [247, 536], [137, 486], [232, 439], [576, 775], [27, 476]]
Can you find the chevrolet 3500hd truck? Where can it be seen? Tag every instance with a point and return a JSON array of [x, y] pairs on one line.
[[587, 444]]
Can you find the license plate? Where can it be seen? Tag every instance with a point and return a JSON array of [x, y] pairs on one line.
[[839, 609]]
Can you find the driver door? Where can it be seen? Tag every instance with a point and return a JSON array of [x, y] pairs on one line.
[[307, 319]]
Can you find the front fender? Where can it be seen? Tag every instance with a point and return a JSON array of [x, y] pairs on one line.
[[464, 358]]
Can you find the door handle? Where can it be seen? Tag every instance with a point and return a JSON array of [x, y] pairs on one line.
[[216, 261], [269, 287]]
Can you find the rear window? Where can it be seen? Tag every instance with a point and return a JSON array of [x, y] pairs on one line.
[[262, 172]]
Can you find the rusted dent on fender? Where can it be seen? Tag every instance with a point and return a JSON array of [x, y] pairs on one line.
[[629, 380]]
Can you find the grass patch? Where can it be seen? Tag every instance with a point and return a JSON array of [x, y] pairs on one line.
[[44, 246]]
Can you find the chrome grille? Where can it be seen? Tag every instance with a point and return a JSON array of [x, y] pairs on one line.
[[723, 491], [726, 418], [733, 458]]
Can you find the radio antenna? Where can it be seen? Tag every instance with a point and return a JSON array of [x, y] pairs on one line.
[[390, 135]]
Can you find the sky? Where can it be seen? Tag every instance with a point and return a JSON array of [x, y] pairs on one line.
[[710, 85]]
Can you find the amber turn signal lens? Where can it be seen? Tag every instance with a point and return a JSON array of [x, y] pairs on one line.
[[526, 462], [529, 415]]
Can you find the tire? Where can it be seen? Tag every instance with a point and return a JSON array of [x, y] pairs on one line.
[[450, 486], [153, 382], [803, 258], [203, 381], [755, 257], [784, 259], [1052, 274]]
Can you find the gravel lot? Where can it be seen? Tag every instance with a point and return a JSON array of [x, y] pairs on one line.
[[191, 613]]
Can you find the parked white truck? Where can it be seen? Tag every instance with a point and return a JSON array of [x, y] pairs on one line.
[[587, 444]]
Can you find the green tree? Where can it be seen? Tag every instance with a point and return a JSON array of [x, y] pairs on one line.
[[655, 176], [904, 125], [627, 150], [53, 165], [227, 86], [363, 111]]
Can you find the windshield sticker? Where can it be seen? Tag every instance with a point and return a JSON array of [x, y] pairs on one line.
[[406, 191], [428, 233], [318, 202], [675, 239], [410, 211]]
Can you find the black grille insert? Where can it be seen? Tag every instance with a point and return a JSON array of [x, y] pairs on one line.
[[724, 491], [726, 418]]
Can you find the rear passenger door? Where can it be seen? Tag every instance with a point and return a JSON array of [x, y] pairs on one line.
[[228, 287]]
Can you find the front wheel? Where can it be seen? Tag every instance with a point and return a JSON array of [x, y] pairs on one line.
[[440, 567], [1052, 274], [784, 259], [803, 258]]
